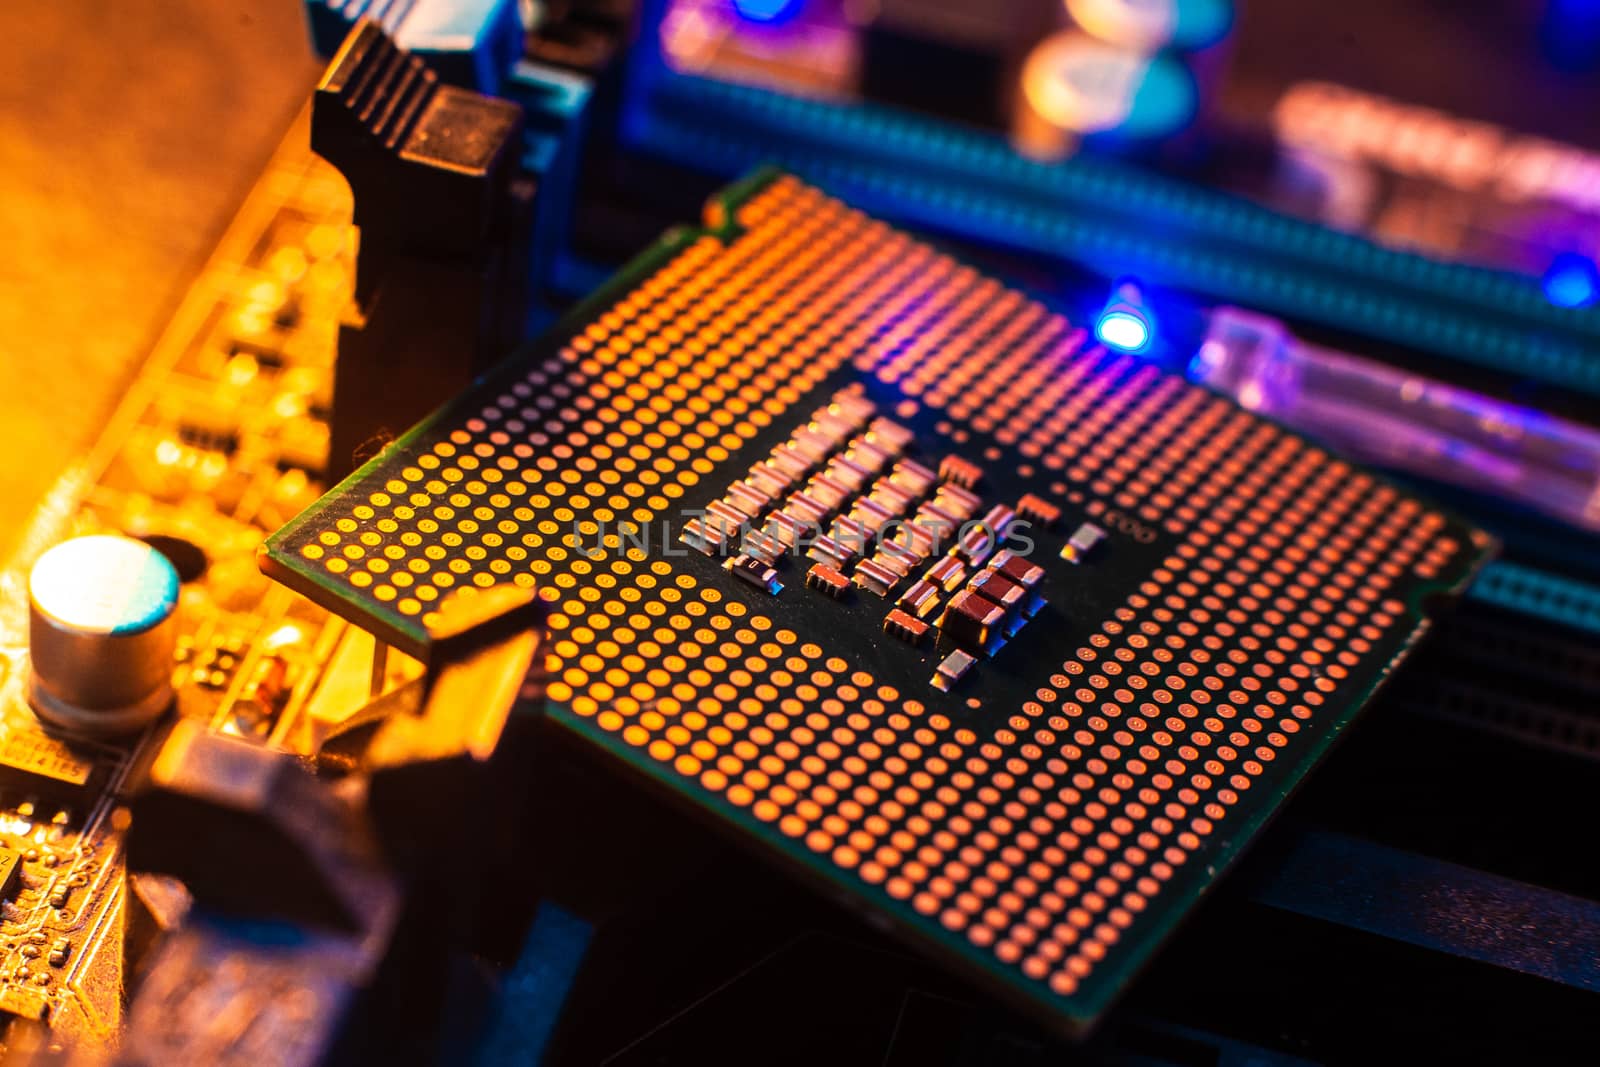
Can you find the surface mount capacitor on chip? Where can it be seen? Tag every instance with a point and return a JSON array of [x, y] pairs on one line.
[[1042, 815]]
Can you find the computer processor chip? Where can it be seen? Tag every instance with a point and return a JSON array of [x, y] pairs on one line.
[[887, 568]]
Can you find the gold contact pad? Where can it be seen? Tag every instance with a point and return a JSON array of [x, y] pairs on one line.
[[1042, 837]]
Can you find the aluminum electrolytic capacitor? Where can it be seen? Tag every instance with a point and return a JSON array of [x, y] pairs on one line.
[[101, 631]]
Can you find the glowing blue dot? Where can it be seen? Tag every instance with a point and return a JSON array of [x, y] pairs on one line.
[[1126, 331], [1573, 281], [768, 11]]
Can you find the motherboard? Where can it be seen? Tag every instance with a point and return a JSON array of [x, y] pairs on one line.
[[218, 442], [655, 538]]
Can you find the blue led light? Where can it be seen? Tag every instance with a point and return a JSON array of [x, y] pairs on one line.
[[767, 11], [1124, 330], [1573, 281], [1125, 323]]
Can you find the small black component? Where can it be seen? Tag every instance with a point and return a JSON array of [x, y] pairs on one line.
[[267, 359], [250, 831], [581, 35], [426, 161], [443, 236], [453, 741], [10, 863], [224, 440], [46, 766], [756, 572]]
